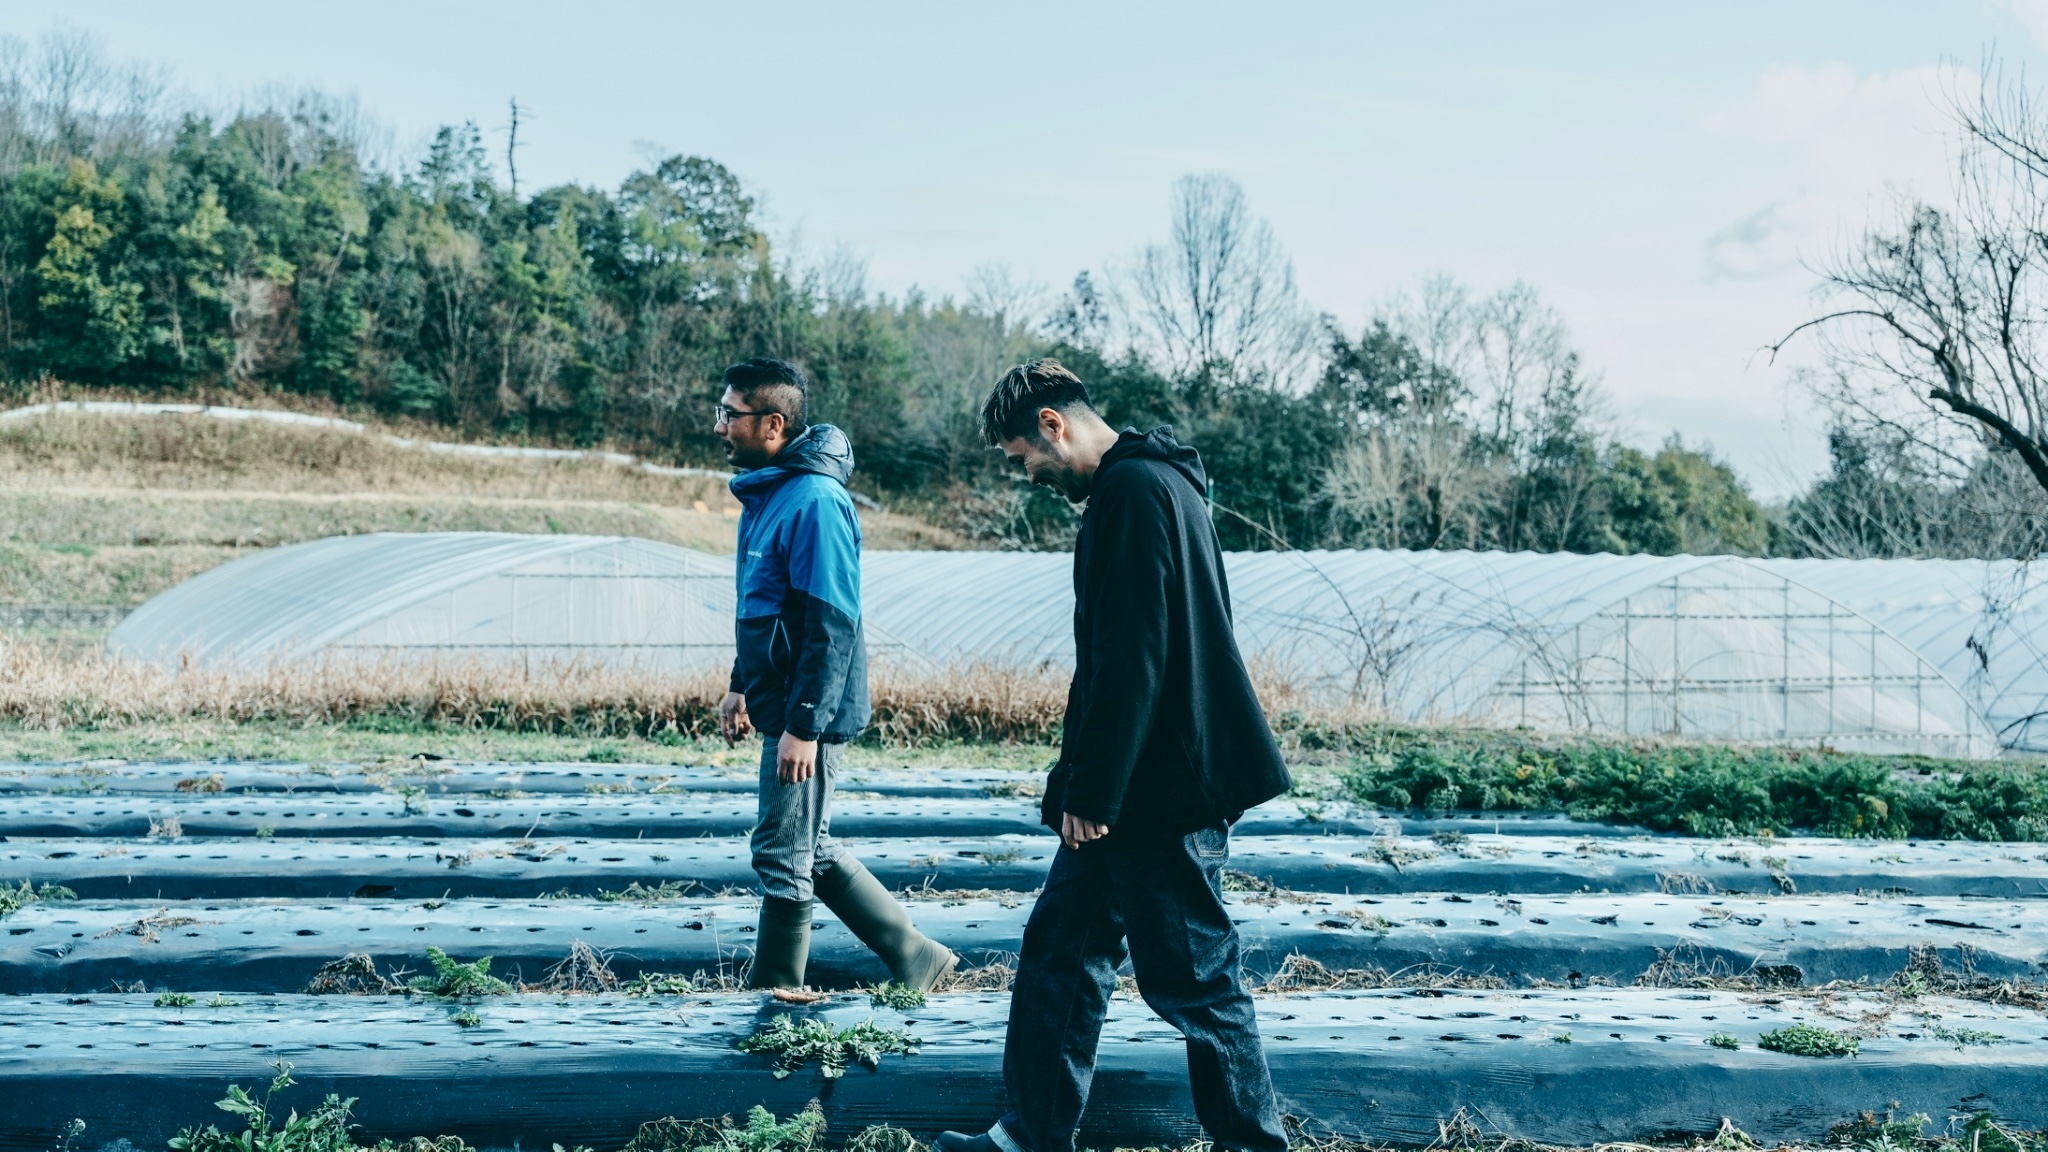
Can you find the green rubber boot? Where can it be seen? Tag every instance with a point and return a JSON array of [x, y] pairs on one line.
[[867, 909], [782, 944]]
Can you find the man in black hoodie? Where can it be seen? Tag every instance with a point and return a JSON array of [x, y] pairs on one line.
[[1164, 746]]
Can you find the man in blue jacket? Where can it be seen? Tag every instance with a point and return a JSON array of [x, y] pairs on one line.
[[800, 677]]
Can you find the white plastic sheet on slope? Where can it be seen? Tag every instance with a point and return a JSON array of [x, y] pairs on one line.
[[594, 599], [1682, 646]]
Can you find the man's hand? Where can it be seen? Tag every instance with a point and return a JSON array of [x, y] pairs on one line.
[[795, 759], [1076, 831], [732, 718]]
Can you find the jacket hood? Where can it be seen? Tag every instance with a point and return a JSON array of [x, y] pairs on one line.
[[820, 448], [1159, 444]]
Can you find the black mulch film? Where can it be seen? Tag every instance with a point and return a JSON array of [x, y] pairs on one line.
[[1570, 983]]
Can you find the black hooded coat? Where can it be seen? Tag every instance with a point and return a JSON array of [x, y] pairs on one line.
[[1163, 732]]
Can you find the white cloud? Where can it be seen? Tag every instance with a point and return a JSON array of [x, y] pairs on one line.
[[1828, 147], [2033, 16], [1751, 246]]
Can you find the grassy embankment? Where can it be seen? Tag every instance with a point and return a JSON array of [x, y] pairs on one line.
[[112, 510]]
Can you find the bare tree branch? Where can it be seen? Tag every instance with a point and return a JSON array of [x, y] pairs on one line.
[[1218, 299], [1940, 342]]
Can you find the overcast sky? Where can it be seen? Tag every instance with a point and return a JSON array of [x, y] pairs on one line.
[[1659, 171]]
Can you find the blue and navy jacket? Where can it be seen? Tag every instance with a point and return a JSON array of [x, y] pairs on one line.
[[802, 661]]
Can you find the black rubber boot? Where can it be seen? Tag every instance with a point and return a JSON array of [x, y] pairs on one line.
[[867, 909], [782, 944]]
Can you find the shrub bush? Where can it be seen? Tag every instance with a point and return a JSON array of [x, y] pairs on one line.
[[1700, 789]]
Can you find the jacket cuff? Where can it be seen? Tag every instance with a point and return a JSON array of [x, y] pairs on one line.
[[799, 733], [1087, 811]]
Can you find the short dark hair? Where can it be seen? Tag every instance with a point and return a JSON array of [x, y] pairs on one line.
[[775, 386], [1011, 410]]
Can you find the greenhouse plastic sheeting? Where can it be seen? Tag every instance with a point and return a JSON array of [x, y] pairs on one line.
[[1983, 623], [1679, 646], [590, 599], [1933, 657]]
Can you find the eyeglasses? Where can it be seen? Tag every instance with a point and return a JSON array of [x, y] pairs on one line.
[[721, 415]]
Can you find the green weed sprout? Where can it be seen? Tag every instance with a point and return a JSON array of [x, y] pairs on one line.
[[884, 1138], [220, 1001], [415, 798], [324, 1129], [795, 1044], [176, 1000], [1724, 1040], [761, 1133], [890, 994], [15, 899], [467, 1018], [1808, 1040], [1561, 1038], [1983, 1134], [1965, 1037], [1888, 1133], [453, 978], [660, 984]]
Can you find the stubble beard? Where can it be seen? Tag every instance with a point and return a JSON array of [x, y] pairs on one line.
[[1064, 480]]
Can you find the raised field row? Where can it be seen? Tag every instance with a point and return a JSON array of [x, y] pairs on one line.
[[278, 946], [438, 777], [203, 869], [665, 817], [73, 800], [257, 875], [1575, 1067]]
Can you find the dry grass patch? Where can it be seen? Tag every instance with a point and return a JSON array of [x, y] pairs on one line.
[[112, 480], [976, 704], [115, 517], [50, 688], [79, 574], [198, 453], [1298, 973], [995, 976], [40, 688]]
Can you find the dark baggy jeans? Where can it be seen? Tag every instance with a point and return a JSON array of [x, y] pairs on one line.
[[1164, 895]]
